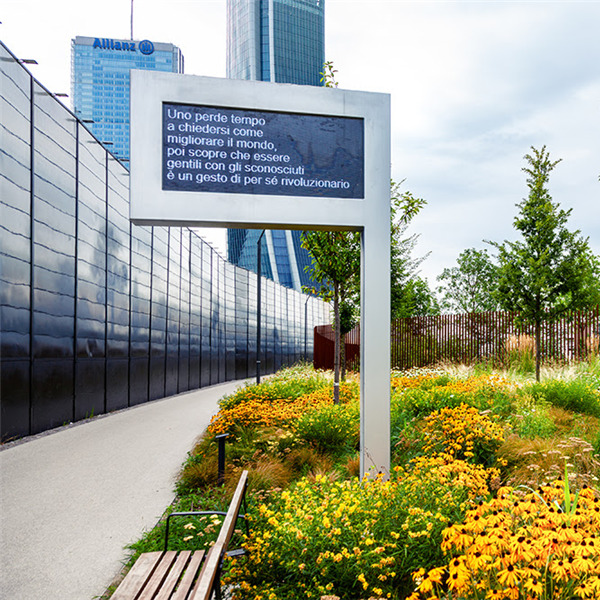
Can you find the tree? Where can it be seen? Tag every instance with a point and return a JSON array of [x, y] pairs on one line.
[[408, 292], [551, 270], [469, 286], [335, 269], [416, 300]]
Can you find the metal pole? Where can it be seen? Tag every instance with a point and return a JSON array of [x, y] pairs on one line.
[[306, 329], [258, 302], [221, 458]]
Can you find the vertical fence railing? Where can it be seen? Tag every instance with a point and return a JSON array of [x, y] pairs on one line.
[[493, 337]]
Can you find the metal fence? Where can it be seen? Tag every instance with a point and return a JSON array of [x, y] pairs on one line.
[[97, 314], [495, 337], [324, 348]]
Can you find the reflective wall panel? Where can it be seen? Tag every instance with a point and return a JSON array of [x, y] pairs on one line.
[[98, 314]]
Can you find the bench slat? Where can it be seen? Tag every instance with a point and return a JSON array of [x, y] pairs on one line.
[[188, 578], [137, 577], [158, 576], [206, 580]]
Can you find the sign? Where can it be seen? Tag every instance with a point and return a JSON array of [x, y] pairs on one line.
[[213, 149], [145, 46], [212, 152]]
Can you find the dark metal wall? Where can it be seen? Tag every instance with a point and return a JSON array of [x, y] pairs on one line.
[[97, 314]]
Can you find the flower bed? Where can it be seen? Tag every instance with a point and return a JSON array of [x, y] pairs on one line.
[[450, 522]]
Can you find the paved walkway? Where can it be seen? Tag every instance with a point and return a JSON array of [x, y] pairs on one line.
[[71, 500]]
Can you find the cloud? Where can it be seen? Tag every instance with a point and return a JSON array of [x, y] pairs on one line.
[[473, 86]]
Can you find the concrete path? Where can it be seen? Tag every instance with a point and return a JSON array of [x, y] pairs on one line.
[[71, 500]]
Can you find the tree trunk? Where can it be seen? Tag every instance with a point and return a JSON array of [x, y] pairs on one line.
[[538, 350], [336, 348]]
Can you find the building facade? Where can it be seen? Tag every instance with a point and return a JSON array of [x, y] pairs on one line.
[[97, 314], [100, 83], [281, 41]]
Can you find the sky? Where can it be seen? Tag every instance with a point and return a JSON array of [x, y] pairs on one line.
[[473, 85]]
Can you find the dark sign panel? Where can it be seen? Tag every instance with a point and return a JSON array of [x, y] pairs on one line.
[[209, 149]]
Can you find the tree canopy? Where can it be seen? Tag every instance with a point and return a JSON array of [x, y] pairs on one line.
[[470, 285], [549, 270]]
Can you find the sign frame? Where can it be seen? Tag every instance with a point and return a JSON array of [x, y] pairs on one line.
[[151, 205]]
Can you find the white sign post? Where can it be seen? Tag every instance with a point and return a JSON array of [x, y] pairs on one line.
[[213, 152]]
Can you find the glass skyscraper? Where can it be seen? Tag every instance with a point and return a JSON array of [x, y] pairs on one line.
[[100, 82], [281, 41]]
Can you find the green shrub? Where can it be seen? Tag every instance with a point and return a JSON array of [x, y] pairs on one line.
[[419, 402], [334, 429], [532, 419], [575, 395]]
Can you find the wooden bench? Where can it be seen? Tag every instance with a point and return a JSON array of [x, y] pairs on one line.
[[185, 575]]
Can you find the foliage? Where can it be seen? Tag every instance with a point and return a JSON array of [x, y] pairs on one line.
[[328, 75], [532, 419], [353, 538], [575, 395], [487, 391], [334, 429], [414, 299], [410, 295], [551, 270], [537, 545], [287, 384], [469, 286], [188, 533]]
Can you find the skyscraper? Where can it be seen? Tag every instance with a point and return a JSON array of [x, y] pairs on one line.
[[100, 82], [281, 41]]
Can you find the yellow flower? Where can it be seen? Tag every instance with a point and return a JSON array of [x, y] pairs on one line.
[[534, 586]]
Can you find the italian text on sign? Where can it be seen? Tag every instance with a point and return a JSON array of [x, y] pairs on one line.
[[211, 149]]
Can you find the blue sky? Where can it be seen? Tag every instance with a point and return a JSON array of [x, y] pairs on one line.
[[474, 85]]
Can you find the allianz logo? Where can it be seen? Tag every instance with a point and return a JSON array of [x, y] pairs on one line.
[[145, 46]]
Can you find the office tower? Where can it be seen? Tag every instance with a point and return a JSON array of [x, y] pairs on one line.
[[281, 41], [100, 82]]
